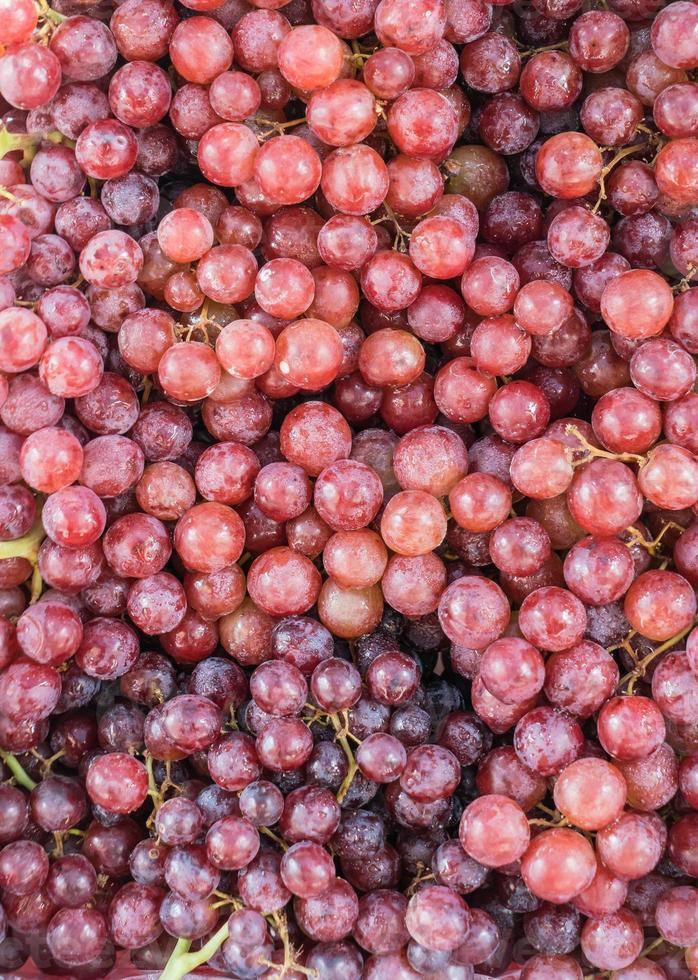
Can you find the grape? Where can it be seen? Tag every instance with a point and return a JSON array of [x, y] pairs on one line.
[[494, 831], [76, 936], [595, 778], [599, 40], [287, 169], [395, 415], [558, 865], [281, 491], [30, 76], [413, 523], [354, 179], [609, 485], [226, 154], [664, 611], [437, 918], [653, 780], [490, 63], [519, 410], [72, 881], [648, 727], [473, 611], [637, 304], [49, 633], [343, 113], [200, 49], [186, 919], [133, 915], [440, 247], [117, 782], [614, 941], [413, 26], [23, 339]]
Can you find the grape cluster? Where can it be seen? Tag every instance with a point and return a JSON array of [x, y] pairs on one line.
[[349, 489]]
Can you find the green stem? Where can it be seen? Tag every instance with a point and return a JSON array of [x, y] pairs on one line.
[[9, 142], [342, 731], [275, 837], [654, 944], [592, 451], [50, 14], [638, 672], [182, 961], [27, 546], [620, 155], [20, 776]]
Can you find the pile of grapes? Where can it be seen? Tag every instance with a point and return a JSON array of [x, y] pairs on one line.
[[349, 489]]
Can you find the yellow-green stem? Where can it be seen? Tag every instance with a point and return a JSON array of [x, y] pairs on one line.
[[353, 768], [28, 144], [182, 961], [341, 728], [562, 822], [655, 944], [275, 837], [639, 671], [560, 46], [48, 13], [21, 777], [26, 546], [278, 921], [595, 451], [620, 155]]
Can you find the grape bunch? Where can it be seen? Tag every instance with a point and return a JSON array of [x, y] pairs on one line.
[[349, 489]]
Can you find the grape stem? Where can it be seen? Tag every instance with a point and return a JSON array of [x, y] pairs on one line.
[[593, 451], [560, 46], [620, 155], [557, 819], [27, 547], [182, 961], [147, 389], [357, 56], [685, 284], [640, 669], [225, 899], [276, 127], [651, 546], [275, 837], [46, 763], [154, 792], [562, 822], [624, 644], [340, 723], [49, 14], [423, 874], [401, 234], [342, 732], [28, 144], [201, 324], [278, 921], [19, 775], [652, 946]]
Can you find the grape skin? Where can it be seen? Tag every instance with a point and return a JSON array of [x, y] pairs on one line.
[[349, 488]]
